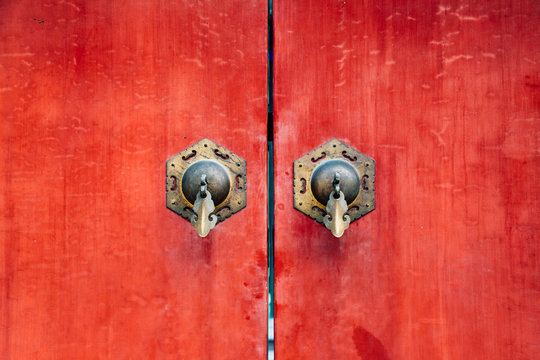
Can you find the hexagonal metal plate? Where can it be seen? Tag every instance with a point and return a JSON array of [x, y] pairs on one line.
[[206, 150], [305, 201]]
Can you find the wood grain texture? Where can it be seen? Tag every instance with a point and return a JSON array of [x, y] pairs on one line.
[[94, 97], [445, 97]]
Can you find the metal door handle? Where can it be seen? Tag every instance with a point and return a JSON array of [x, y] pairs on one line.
[[336, 219], [206, 184], [335, 185], [203, 220]]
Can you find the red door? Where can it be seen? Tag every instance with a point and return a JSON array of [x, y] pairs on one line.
[[445, 97], [94, 97]]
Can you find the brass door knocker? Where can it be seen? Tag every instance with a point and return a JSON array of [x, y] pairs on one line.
[[335, 185], [206, 184]]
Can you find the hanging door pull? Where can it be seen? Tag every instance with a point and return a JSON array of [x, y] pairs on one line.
[[206, 184], [203, 220], [335, 219], [335, 185]]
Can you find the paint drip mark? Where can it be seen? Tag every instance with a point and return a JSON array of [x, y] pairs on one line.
[[368, 346]]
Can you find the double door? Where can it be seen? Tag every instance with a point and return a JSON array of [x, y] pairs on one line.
[[97, 95]]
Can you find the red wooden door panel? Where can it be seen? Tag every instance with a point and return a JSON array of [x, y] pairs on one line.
[[445, 97], [95, 96]]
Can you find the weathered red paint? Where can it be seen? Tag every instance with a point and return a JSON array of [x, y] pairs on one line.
[[445, 97], [95, 96]]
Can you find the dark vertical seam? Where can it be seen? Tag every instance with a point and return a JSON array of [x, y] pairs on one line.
[[270, 171]]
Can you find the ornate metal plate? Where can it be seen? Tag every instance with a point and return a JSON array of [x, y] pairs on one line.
[[206, 149], [305, 201]]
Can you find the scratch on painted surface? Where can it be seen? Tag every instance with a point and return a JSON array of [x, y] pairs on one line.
[[78, 9], [451, 59], [220, 61], [441, 42], [391, 146], [471, 18], [435, 321], [446, 10], [446, 186], [438, 134], [17, 54], [196, 62]]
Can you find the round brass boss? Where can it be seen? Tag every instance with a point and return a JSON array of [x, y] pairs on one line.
[[218, 180], [323, 175]]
